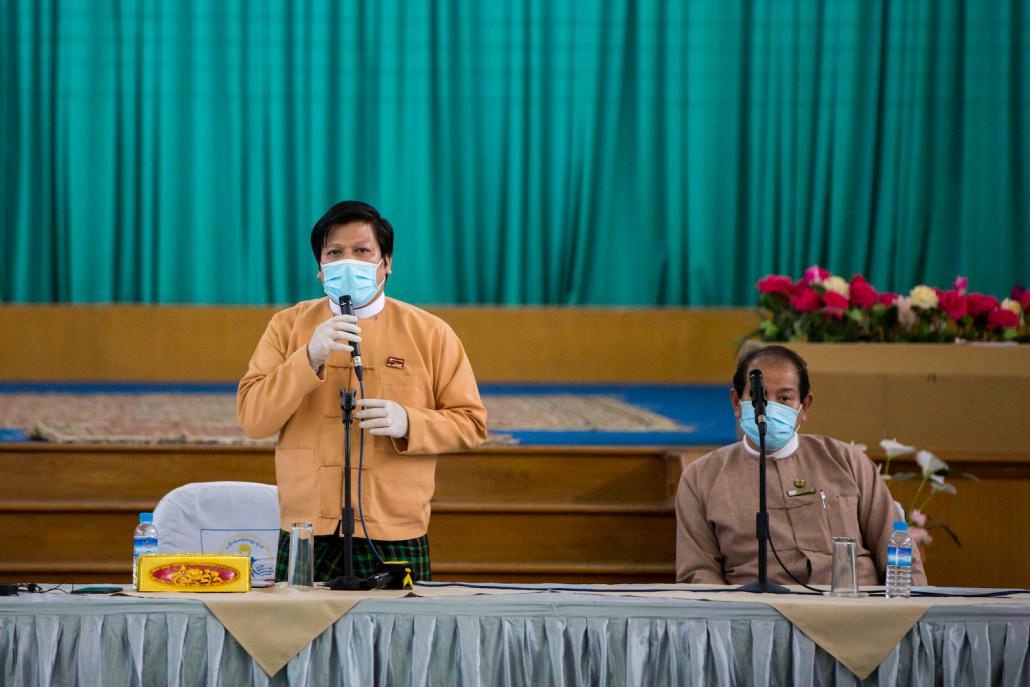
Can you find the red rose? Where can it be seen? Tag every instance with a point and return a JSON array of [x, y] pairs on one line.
[[805, 300], [835, 301], [1021, 296], [980, 304], [775, 283], [863, 295], [815, 274], [888, 298], [1002, 317], [954, 303]]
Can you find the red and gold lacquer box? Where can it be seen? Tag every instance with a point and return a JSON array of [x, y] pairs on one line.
[[192, 572]]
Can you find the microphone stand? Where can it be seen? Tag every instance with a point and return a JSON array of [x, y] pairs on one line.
[[347, 580], [396, 575], [762, 586]]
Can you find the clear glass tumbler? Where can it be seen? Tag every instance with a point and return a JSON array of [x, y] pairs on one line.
[[301, 573], [845, 578]]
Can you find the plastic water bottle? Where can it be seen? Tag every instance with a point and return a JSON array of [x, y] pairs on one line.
[[899, 562], [144, 540]]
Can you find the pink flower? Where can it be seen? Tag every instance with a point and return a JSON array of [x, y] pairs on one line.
[[1002, 318], [863, 295], [920, 537], [815, 275], [917, 518], [907, 317], [888, 299], [775, 283], [954, 303], [805, 300], [980, 304], [961, 283]]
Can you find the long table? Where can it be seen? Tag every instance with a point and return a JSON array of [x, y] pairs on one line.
[[530, 638]]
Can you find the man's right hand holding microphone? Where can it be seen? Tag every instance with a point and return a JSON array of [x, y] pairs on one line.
[[329, 336]]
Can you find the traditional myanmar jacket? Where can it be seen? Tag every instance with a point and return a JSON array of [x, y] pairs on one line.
[[409, 356], [823, 489]]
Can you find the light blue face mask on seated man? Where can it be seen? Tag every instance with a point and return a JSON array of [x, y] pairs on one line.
[[354, 278], [780, 421]]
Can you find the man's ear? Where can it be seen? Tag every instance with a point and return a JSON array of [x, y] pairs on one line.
[[735, 400], [805, 405], [388, 264]]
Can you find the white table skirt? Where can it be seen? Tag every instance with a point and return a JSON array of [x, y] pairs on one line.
[[545, 638]]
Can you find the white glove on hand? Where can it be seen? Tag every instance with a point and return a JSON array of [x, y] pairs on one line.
[[327, 336], [383, 418]]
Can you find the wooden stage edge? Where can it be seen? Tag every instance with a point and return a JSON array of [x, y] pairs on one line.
[[518, 514]]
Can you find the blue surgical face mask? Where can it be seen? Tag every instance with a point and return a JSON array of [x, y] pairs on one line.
[[354, 278], [780, 423]]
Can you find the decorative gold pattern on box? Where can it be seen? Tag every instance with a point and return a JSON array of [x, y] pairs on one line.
[[187, 572]]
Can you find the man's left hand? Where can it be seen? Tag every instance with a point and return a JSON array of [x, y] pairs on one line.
[[383, 418]]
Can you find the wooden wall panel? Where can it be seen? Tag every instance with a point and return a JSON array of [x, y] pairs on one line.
[[192, 343]]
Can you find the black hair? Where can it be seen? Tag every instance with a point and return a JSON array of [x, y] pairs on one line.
[[778, 353], [348, 211]]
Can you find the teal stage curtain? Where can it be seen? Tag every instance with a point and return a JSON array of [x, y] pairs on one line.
[[528, 152]]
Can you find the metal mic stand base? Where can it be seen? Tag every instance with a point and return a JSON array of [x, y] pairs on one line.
[[347, 582]]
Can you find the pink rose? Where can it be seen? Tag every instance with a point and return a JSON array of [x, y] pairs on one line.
[[980, 304], [954, 303], [1002, 318], [906, 315], [775, 283], [888, 299], [961, 283], [917, 518], [863, 295], [815, 275], [805, 300]]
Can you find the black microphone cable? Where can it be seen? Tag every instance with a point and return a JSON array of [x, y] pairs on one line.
[[347, 308], [361, 462], [786, 570]]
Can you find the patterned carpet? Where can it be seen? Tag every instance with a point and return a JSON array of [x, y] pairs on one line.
[[210, 418]]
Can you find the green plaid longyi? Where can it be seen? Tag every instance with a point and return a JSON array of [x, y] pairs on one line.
[[329, 556]]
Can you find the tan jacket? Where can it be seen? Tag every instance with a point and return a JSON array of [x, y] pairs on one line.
[[429, 375], [718, 498]]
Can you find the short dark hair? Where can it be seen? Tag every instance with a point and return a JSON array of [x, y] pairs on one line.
[[778, 353], [348, 211]]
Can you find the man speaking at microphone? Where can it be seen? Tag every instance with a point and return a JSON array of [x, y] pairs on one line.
[[817, 488], [421, 400]]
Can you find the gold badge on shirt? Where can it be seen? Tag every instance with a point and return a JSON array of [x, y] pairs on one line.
[[800, 489], [395, 362]]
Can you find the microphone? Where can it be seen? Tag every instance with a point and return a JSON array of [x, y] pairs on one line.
[[758, 397], [347, 308]]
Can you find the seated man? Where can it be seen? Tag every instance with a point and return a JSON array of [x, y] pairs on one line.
[[817, 488]]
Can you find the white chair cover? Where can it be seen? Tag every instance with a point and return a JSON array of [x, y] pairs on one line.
[[222, 517]]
